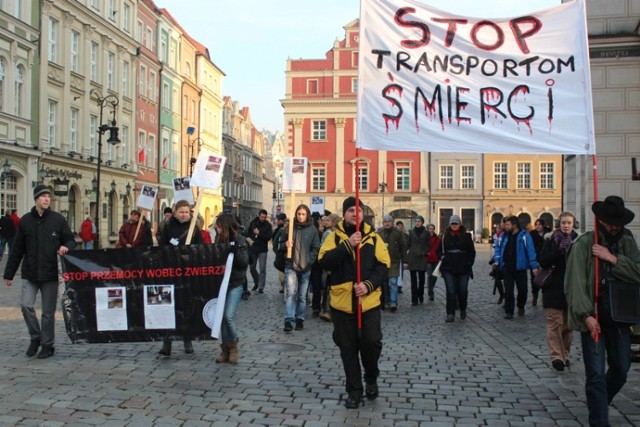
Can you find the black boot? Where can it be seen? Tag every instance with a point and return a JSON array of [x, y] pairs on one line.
[[166, 348], [500, 288], [188, 346]]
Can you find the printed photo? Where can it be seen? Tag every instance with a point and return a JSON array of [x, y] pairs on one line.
[[157, 295], [114, 298], [213, 164], [149, 191]]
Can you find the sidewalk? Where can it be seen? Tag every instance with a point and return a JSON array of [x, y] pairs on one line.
[[480, 371]]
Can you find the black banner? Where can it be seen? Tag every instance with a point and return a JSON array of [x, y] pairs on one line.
[[140, 294]]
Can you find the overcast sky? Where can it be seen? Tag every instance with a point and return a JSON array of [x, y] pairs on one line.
[[250, 40]]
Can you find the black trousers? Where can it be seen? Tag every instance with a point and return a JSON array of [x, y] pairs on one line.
[[353, 349]]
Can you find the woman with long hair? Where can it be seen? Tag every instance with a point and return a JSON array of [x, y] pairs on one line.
[[175, 233], [228, 232], [553, 254], [458, 255], [305, 245]]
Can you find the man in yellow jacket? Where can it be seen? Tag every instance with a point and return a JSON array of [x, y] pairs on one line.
[[338, 256]]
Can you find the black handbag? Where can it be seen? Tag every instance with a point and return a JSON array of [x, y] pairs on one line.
[[624, 301], [543, 277], [280, 261]]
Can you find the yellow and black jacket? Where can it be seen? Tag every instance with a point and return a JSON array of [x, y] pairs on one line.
[[339, 258]]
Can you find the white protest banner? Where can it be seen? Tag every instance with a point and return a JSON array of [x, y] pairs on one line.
[[207, 171], [147, 197], [294, 175], [182, 189], [434, 81]]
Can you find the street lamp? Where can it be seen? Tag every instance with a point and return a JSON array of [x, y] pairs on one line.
[[382, 187], [192, 142], [102, 102]]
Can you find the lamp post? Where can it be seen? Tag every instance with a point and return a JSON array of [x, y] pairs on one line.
[[102, 102], [382, 187], [192, 142]]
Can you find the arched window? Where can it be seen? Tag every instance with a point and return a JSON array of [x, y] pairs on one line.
[[19, 88], [3, 63]]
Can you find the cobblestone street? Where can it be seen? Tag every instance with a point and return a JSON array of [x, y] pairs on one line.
[[480, 371]]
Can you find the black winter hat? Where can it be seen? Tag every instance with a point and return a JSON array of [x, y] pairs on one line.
[[349, 202], [40, 190]]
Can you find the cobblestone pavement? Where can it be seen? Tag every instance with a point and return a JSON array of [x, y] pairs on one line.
[[480, 371]]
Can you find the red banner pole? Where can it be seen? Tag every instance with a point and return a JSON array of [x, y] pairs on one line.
[[359, 302], [596, 238]]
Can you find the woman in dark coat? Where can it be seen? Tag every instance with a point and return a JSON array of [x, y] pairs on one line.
[[175, 233], [418, 245], [228, 232], [458, 255], [553, 254]]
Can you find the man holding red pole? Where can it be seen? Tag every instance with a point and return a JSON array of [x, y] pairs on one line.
[[603, 338], [349, 288]]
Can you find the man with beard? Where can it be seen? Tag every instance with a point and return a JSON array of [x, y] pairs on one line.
[[258, 234], [603, 338]]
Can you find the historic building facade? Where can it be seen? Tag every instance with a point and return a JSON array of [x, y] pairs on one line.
[[614, 44]]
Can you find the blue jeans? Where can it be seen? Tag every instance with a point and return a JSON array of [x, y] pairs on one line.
[[511, 280], [4, 241], [296, 286], [259, 278], [228, 329], [600, 387], [457, 291], [391, 291], [88, 245]]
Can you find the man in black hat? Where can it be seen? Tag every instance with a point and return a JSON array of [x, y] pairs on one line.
[[603, 338], [338, 255], [42, 235]]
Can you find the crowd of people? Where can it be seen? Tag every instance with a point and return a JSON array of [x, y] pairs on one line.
[[354, 272]]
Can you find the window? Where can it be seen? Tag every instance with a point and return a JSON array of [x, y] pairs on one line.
[[126, 12], [403, 177], [75, 51], [152, 86], [173, 48], [93, 73], [95, 4], [165, 95], [163, 48], [19, 91], [93, 135], [52, 121], [312, 86], [363, 178], [318, 178], [193, 111], [139, 30], [166, 150], [148, 42], [446, 177], [125, 78], [142, 148], [17, 12], [500, 175], [185, 106], [142, 87], [111, 69], [73, 132], [468, 177], [546, 176], [53, 40], [111, 9], [9, 193], [354, 85], [3, 63], [150, 160], [175, 101], [319, 131], [354, 60], [523, 175], [124, 143]]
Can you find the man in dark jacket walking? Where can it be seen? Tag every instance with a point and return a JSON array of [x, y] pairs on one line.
[[259, 233], [41, 236]]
